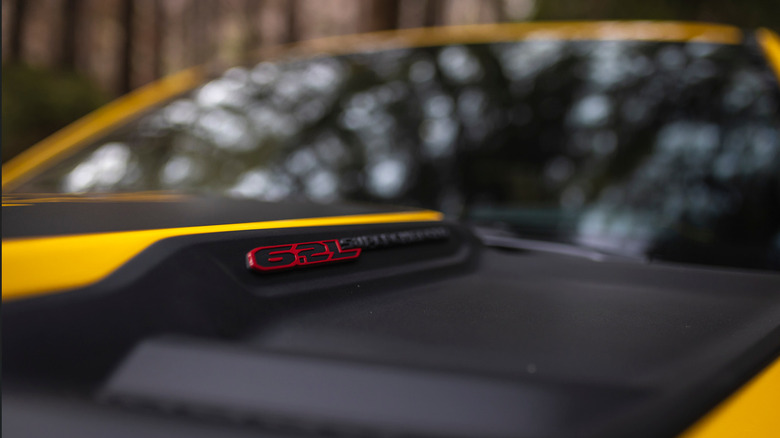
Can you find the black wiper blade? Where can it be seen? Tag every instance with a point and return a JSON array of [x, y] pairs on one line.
[[498, 238]]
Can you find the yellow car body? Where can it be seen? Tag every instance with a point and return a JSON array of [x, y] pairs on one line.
[[49, 264]]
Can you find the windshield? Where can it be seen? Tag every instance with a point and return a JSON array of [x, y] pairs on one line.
[[668, 150]]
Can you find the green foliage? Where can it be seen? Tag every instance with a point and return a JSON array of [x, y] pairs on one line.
[[39, 101]]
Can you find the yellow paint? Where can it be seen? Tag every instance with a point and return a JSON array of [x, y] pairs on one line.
[[770, 42], [488, 33], [44, 265], [753, 411], [67, 141]]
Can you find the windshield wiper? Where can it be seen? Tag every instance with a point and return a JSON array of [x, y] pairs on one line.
[[500, 238]]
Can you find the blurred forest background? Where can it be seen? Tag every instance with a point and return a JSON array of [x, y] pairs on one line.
[[64, 58]]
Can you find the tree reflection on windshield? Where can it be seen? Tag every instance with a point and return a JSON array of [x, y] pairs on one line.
[[667, 149]]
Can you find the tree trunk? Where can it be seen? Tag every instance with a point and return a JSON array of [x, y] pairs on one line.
[[204, 21], [126, 58], [291, 17], [159, 39], [70, 29], [18, 25], [499, 11], [253, 39], [380, 14], [433, 13]]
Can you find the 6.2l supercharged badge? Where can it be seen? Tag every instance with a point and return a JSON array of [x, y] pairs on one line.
[[276, 257]]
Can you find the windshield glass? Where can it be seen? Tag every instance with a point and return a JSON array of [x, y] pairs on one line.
[[668, 150]]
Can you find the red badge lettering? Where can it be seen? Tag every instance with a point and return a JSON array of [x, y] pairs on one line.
[[272, 258]]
